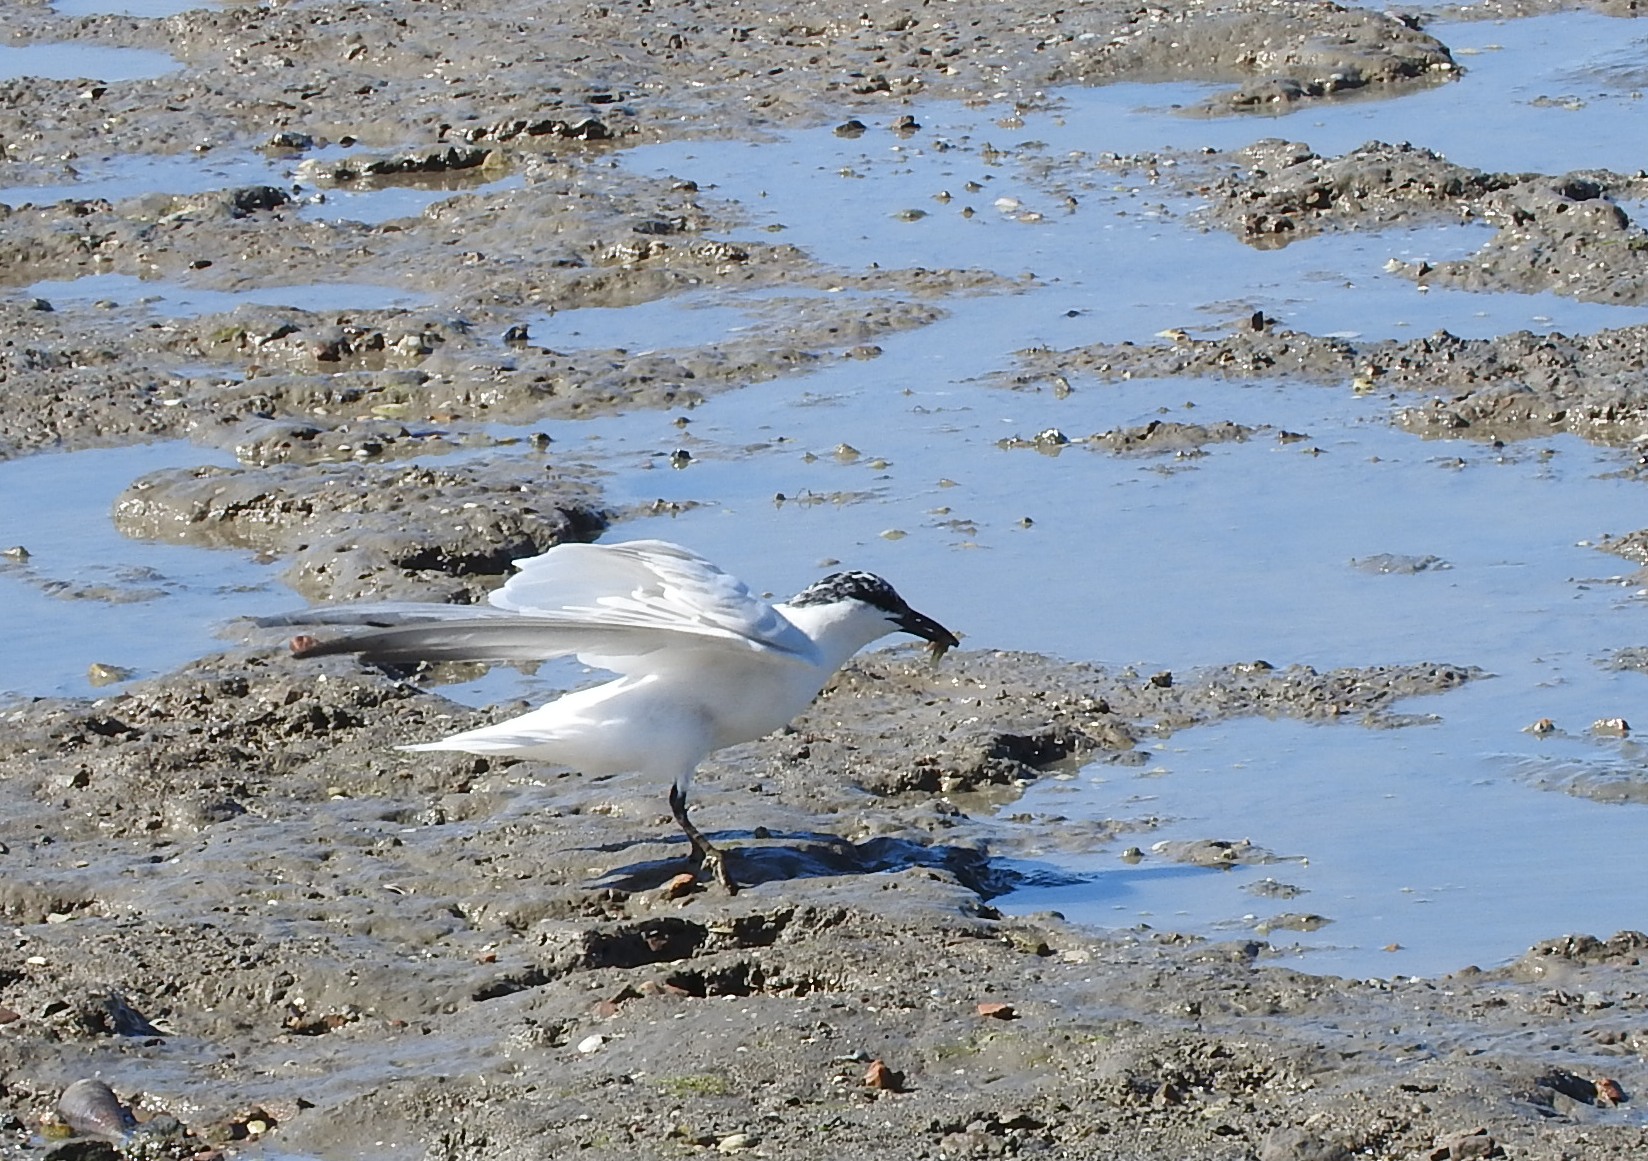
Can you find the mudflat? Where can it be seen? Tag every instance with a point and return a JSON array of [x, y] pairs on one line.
[[271, 933]]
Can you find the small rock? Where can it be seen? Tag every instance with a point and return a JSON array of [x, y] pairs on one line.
[[878, 1075], [1293, 1144], [997, 1011], [1459, 1146], [682, 885], [82, 1149], [98, 673], [290, 139]]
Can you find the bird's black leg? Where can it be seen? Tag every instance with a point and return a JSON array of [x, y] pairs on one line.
[[703, 850]]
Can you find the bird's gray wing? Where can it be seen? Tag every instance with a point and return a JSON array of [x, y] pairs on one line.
[[505, 638], [646, 584], [380, 614], [611, 605]]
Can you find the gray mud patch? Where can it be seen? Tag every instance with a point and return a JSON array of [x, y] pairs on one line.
[[363, 926], [1571, 233], [279, 384], [1157, 437], [1515, 386], [1565, 233], [356, 530]]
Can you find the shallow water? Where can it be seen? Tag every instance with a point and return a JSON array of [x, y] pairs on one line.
[[387, 200], [114, 178], [175, 300], [69, 61], [85, 595], [1428, 837], [1544, 94], [146, 9], [1427, 840]]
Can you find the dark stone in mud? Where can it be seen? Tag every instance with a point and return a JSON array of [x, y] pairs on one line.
[[355, 530]]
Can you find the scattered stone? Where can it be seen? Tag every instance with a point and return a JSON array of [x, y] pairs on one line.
[[879, 1076]]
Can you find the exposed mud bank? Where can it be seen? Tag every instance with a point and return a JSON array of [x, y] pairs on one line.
[[338, 912], [355, 531], [230, 897]]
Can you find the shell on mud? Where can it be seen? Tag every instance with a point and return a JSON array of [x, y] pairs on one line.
[[90, 1107]]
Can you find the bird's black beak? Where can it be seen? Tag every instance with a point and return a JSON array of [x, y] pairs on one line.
[[923, 626]]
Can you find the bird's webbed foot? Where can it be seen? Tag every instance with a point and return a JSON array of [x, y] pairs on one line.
[[704, 853]]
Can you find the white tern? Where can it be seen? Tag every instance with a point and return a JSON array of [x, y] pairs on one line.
[[702, 662]]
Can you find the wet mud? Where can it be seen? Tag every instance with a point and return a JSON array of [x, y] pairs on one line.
[[231, 899], [357, 530], [298, 907]]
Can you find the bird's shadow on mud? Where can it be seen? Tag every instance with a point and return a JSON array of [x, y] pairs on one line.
[[777, 858]]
